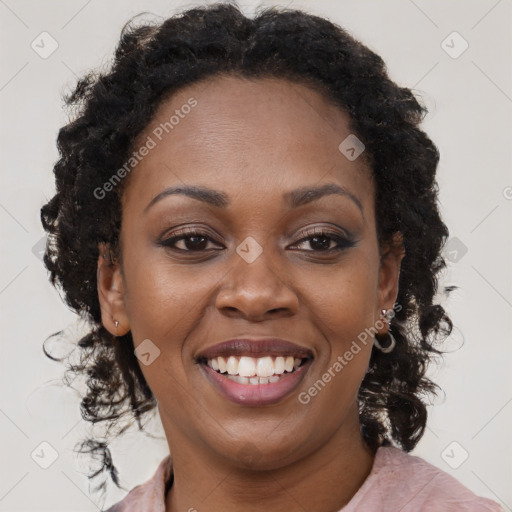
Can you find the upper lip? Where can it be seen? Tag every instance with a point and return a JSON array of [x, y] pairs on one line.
[[255, 347]]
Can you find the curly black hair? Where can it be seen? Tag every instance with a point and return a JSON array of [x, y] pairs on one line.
[[152, 61]]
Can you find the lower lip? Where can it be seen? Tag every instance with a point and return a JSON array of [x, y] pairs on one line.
[[256, 394]]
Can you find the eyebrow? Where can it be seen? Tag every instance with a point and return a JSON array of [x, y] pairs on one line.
[[294, 198]]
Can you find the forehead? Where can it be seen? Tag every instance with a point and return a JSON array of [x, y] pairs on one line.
[[257, 135]]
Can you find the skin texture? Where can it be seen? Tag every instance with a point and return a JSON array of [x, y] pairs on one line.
[[253, 140]]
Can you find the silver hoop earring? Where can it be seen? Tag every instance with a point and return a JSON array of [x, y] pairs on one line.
[[389, 348]]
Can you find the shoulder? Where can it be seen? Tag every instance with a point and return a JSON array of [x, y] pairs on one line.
[[400, 481], [149, 496]]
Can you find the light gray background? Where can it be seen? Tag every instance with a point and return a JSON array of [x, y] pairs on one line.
[[470, 102]]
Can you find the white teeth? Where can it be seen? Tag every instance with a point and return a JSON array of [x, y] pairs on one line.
[[264, 367], [222, 365], [240, 380], [245, 367], [253, 380], [232, 365], [279, 365], [288, 364]]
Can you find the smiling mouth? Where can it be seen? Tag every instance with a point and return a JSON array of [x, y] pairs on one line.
[[255, 370]]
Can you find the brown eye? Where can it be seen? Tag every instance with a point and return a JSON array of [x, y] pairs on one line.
[[190, 241], [321, 240]]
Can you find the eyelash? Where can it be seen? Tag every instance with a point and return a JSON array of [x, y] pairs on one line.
[[343, 243]]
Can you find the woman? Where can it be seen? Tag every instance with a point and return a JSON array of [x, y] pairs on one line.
[[246, 211]]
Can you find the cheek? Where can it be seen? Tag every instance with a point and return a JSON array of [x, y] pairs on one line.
[[166, 303], [163, 304], [344, 299], [158, 304], [343, 313], [163, 298], [343, 304]]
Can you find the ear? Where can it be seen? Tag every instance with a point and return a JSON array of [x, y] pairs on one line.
[[389, 272], [111, 293]]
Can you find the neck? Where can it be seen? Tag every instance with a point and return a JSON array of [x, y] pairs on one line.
[[324, 481]]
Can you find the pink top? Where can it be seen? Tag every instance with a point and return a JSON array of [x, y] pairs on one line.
[[398, 481]]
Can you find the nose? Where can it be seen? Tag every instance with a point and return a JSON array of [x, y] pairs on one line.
[[256, 291]]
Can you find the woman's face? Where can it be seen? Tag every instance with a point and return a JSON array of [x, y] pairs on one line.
[[252, 256]]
